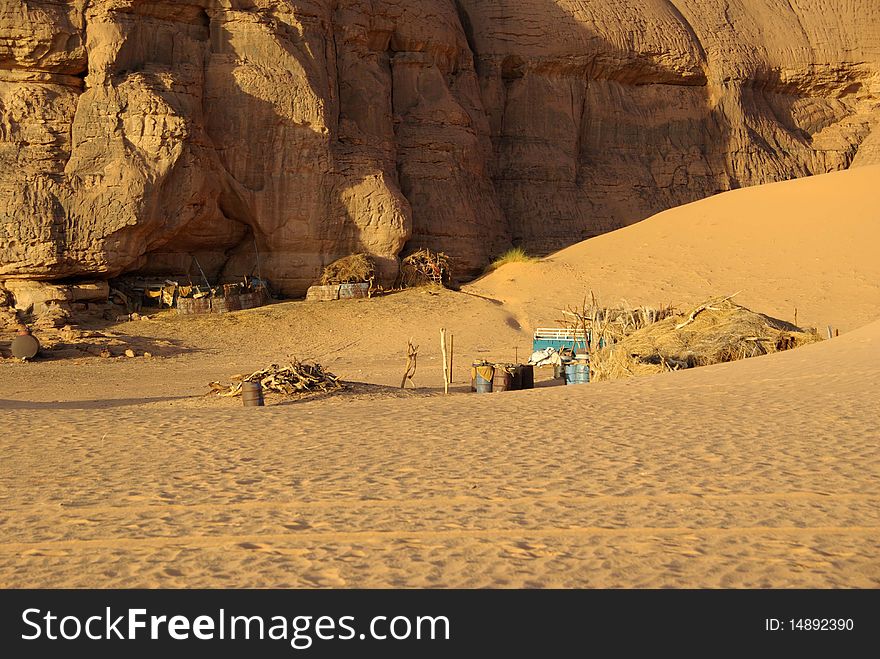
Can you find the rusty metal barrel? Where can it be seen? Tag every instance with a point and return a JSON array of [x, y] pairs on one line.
[[503, 379], [252, 394], [25, 346]]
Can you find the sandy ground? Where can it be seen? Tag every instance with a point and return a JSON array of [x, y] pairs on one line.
[[764, 473]]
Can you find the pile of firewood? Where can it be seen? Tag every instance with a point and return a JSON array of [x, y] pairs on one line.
[[297, 378]]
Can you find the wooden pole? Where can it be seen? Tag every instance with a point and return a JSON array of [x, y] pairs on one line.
[[451, 346], [795, 317], [445, 361]]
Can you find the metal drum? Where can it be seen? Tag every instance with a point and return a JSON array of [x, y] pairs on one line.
[[252, 394], [503, 380], [483, 376], [527, 376], [577, 373], [517, 377], [559, 370], [25, 346]]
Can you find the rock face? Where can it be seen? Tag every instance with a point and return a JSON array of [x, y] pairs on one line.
[[143, 136], [637, 106]]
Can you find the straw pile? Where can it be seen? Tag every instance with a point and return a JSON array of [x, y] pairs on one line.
[[423, 268], [716, 331], [297, 378], [354, 269], [611, 324]]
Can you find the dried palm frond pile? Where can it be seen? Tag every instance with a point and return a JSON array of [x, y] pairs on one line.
[[423, 268], [714, 332], [606, 325], [354, 269], [297, 378]]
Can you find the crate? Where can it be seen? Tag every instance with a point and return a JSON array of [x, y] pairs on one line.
[[331, 292]]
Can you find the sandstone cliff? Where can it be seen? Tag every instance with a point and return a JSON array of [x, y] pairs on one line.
[[634, 107], [136, 134]]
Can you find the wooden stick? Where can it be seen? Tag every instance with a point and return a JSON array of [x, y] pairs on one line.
[[707, 305], [445, 361], [451, 346], [412, 354]]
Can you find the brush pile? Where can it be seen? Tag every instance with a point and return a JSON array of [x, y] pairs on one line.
[[716, 331], [297, 378], [354, 269], [424, 268], [606, 325]]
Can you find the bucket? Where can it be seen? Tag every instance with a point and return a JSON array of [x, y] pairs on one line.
[[484, 374], [577, 373], [503, 380], [527, 376], [252, 394]]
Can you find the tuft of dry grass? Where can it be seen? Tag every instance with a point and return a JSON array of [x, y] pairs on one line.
[[513, 255]]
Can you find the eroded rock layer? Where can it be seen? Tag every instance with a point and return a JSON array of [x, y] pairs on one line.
[[141, 135]]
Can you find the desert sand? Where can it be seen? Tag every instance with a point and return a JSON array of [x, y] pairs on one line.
[[760, 473], [808, 243]]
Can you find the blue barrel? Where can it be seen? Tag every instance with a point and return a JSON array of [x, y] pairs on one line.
[[577, 373], [483, 376]]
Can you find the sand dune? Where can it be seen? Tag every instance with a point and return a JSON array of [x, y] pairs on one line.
[[761, 473], [809, 244]]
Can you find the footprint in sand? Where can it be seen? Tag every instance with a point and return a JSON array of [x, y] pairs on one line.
[[326, 579], [298, 525], [250, 545]]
